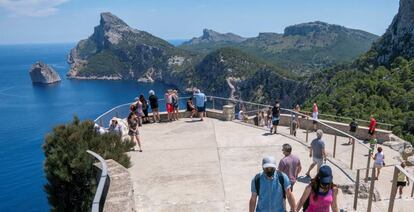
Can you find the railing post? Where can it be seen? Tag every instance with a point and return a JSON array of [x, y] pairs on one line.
[[352, 154], [371, 190], [356, 190], [307, 135], [334, 150], [368, 164], [393, 190], [213, 103], [412, 190]]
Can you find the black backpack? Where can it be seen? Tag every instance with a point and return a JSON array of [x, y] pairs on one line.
[[281, 181]]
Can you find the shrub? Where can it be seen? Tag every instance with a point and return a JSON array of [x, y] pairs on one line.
[[69, 168]]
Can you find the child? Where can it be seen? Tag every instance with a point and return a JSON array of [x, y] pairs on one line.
[[402, 180]]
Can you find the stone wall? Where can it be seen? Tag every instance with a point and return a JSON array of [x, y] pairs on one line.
[[120, 196]]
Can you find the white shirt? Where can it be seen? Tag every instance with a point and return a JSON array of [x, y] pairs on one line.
[[379, 157]]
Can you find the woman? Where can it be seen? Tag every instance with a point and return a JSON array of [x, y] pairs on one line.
[[139, 111], [174, 99], [320, 194], [191, 107], [133, 129], [378, 161], [144, 108], [275, 117], [297, 110]]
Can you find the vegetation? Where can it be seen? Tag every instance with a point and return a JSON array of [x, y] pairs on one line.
[[69, 168], [362, 89]]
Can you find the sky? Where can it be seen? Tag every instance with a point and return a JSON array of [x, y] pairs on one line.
[[68, 21]]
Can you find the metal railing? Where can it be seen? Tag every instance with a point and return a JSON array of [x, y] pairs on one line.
[[397, 169], [344, 119], [100, 194]]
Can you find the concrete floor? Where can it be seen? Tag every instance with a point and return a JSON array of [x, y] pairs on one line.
[[190, 165]]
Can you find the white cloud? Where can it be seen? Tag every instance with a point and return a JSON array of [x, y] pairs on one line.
[[32, 8]]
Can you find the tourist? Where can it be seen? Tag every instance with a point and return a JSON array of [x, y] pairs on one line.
[[269, 118], [378, 161], [114, 127], [139, 112], [190, 107], [315, 115], [240, 115], [317, 152], [371, 127], [275, 117], [353, 126], [153, 99], [262, 119], [321, 194], [144, 108], [272, 187], [174, 100], [402, 180], [200, 99], [133, 129], [290, 165], [297, 110], [294, 122], [168, 104]]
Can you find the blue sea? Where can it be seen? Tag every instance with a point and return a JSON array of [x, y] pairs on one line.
[[28, 112]]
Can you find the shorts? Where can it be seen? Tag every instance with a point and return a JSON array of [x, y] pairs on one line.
[[315, 117], [401, 184], [378, 165], [201, 109], [145, 112], [318, 161], [176, 106], [132, 133], [169, 107], [371, 132], [275, 121], [154, 109]]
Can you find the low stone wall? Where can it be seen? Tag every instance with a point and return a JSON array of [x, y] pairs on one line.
[[120, 196]]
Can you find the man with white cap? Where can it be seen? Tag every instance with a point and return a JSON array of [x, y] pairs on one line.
[[272, 187]]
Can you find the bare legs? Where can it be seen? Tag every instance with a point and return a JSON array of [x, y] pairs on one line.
[[138, 141]]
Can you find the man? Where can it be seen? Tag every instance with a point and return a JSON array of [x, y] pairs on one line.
[[317, 152], [272, 188], [315, 112], [275, 117], [153, 99], [200, 99], [290, 165], [168, 104], [353, 126]]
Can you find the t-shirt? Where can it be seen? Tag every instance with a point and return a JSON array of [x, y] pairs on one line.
[[276, 111], [289, 165], [153, 101], [200, 98], [317, 147], [271, 193], [401, 177], [315, 108], [168, 98], [353, 126], [379, 158]]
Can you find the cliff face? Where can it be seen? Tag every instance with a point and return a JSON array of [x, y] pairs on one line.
[[43, 74], [398, 40], [117, 51]]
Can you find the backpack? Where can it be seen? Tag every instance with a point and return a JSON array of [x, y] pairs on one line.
[[281, 181]]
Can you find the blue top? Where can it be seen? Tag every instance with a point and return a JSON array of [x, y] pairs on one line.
[[271, 193], [200, 98]]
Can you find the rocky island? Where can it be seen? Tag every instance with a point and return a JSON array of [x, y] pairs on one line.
[[41, 73]]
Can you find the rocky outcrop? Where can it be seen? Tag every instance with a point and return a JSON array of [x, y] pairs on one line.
[[120, 52], [398, 40], [210, 36], [41, 73]]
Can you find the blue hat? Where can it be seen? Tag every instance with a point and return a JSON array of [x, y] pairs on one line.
[[325, 174]]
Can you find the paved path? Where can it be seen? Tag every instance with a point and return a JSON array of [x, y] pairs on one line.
[[208, 166]]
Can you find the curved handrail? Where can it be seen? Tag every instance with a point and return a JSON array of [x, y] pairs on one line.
[[302, 114], [96, 205]]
